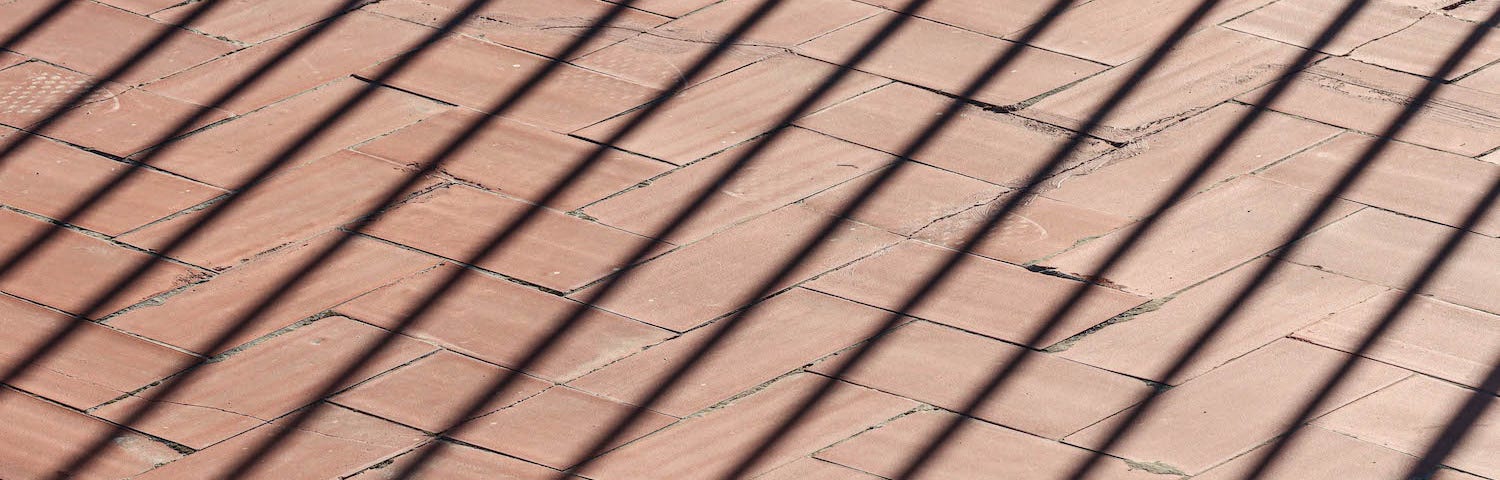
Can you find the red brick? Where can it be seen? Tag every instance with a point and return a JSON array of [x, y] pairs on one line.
[[981, 295], [33, 91], [431, 391], [1047, 396], [94, 39], [466, 317], [458, 462], [1430, 336], [796, 164], [786, 332], [727, 110], [557, 427], [144, 118], [1410, 416], [710, 445], [699, 282], [72, 271], [516, 159], [1116, 31], [1036, 229], [216, 307], [1238, 406], [264, 381], [910, 199], [543, 28], [40, 436], [1301, 22], [252, 21], [230, 154], [1319, 454], [52, 179], [1426, 45]]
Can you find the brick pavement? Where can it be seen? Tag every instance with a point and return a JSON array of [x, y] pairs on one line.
[[301, 239]]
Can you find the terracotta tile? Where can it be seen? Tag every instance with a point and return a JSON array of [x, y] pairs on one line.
[[1475, 11], [229, 155], [198, 316], [553, 250], [798, 163], [1406, 178], [33, 91], [52, 179], [908, 56], [1430, 336], [458, 462], [1208, 234], [1038, 228], [660, 58], [94, 365], [1237, 406], [543, 28], [1412, 414], [1206, 69], [968, 144], [1047, 396], [1301, 22], [786, 25], [671, 8], [266, 380], [1317, 453], [143, 7], [94, 39], [972, 294], [334, 443], [430, 392], [912, 198], [1366, 98], [977, 450], [699, 282], [1423, 48], [1391, 249], [727, 110], [148, 118], [466, 317], [1133, 181], [786, 332], [480, 75], [1484, 80], [516, 159], [1117, 31], [1151, 342], [710, 445], [252, 21], [990, 17], [72, 271], [557, 427], [814, 468], [296, 205], [42, 435], [356, 41]]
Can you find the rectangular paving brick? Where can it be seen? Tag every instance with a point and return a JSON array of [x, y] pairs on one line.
[[94, 365], [1117, 31], [976, 450], [1036, 229], [33, 91], [516, 159], [9, 59], [1148, 344], [671, 8], [293, 206], [1319, 453], [197, 316], [710, 445], [764, 184], [783, 333], [661, 58], [1207, 68], [229, 155], [1302, 22], [1367, 98], [552, 249], [1392, 249], [908, 56], [72, 271], [466, 317], [1238, 406], [46, 434], [699, 282], [969, 144], [266, 380], [938, 365], [990, 17], [252, 21], [1413, 180], [543, 28], [1430, 336], [52, 179], [94, 39], [557, 427], [1133, 181], [1206, 235], [910, 199], [479, 75], [356, 41], [431, 392], [458, 462], [727, 110], [814, 468], [980, 295], [1410, 415], [143, 7], [1423, 48], [334, 443], [147, 119]]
